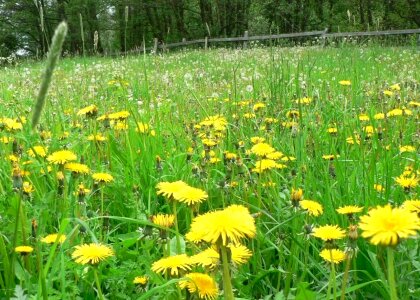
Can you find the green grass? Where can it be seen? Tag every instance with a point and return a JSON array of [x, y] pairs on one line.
[[172, 93]]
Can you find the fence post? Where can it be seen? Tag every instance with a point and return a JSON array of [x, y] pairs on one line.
[[155, 45], [246, 39], [184, 40], [206, 42], [324, 37]]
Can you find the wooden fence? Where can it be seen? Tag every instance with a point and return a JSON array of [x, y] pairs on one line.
[[324, 35]]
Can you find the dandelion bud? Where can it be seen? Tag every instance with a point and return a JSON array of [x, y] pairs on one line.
[[34, 227]]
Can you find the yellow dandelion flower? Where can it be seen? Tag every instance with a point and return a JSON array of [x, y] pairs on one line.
[[329, 232], [27, 187], [399, 112], [52, 238], [407, 148], [239, 253], [61, 157], [353, 140], [407, 182], [378, 187], [96, 138], [414, 103], [333, 255], [174, 264], [102, 177], [312, 207], [304, 100], [266, 164], [121, 115], [190, 195], [412, 205], [330, 156], [387, 226], [91, 253], [207, 258], [395, 87], [88, 111], [296, 194], [224, 226], [332, 130], [77, 168], [24, 249], [349, 210], [201, 284], [169, 189], [163, 220], [364, 117], [140, 280], [40, 151], [258, 106], [274, 155], [257, 140], [345, 82], [379, 116], [262, 149], [291, 114], [388, 93]]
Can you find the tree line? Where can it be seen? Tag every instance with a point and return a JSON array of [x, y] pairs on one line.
[[97, 26]]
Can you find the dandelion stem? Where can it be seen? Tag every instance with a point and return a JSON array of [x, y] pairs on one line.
[[98, 283], [178, 239], [391, 274], [345, 277], [227, 284]]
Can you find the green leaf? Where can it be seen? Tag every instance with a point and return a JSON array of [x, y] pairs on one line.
[[19, 294], [304, 293]]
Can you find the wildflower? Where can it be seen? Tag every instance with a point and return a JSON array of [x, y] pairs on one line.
[[407, 149], [345, 82], [304, 100], [262, 149], [40, 151], [223, 226], [257, 140], [24, 250], [330, 156], [258, 106], [379, 116], [52, 238], [395, 87], [407, 182], [201, 284], [412, 205], [163, 220], [353, 140], [292, 114], [328, 232], [190, 195], [399, 112], [102, 177], [96, 138], [91, 253], [88, 111], [349, 209], [77, 168], [414, 103], [121, 115], [266, 164], [332, 130], [333, 255], [27, 188], [175, 264], [207, 258], [364, 117], [145, 129], [378, 187], [169, 189], [274, 155], [296, 195], [312, 207], [240, 253], [387, 226], [388, 93], [61, 157], [141, 280]]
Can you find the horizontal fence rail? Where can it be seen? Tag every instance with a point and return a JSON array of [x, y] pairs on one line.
[[322, 34]]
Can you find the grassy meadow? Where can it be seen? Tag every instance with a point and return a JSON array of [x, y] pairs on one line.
[[213, 175]]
